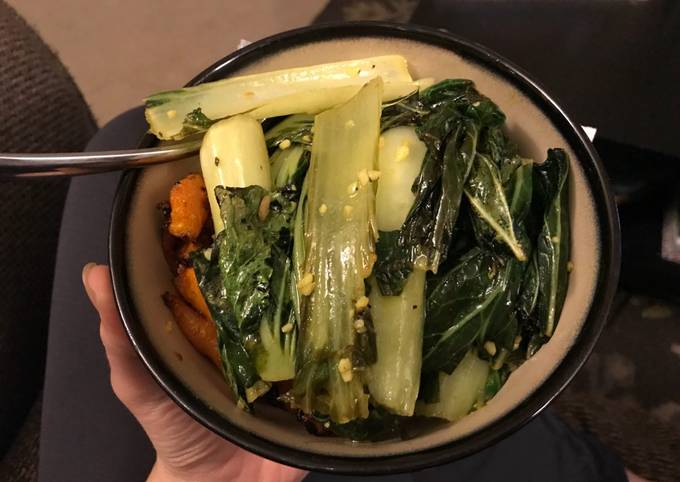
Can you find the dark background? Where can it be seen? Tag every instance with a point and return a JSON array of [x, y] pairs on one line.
[[611, 64]]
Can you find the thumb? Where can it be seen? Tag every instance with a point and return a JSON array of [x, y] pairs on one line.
[[130, 380]]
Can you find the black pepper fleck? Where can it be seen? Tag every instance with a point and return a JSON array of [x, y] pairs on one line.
[[217, 161]]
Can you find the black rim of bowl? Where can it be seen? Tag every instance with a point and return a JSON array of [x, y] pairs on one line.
[[606, 282]]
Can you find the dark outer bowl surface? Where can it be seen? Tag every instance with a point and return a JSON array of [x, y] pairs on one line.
[[607, 276]]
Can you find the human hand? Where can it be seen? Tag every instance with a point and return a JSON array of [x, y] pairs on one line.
[[185, 450]]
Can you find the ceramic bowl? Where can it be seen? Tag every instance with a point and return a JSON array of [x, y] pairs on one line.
[[140, 274]]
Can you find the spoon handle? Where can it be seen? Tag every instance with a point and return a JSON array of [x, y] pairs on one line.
[[14, 166]]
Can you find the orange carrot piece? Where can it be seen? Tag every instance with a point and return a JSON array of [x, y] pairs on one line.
[[187, 285], [199, 330], [189, 208]]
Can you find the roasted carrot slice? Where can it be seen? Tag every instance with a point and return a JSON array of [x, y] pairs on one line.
[[199, 330], [189, 208], [187, 285]]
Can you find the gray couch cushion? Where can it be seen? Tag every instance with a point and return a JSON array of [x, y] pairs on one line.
[[42, 111]]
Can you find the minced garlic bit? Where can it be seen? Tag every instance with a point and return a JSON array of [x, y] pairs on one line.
[[345, 369], [258, 388], [207, 253], [284, 144], [363, 177], [287, 328], [360, 326], [171, 114], [515, 344], [490, 347], [306, 284], [373, 175], [421, 262], [361, 303], [555, 239], [307, 138], [168, 326], [570, 266], [322, 209], [353, 188], [263, 210], [381, 142], [347, 212], [349, 124], [403, 152]]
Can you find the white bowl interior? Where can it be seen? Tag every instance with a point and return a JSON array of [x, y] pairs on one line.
[[149, 276]]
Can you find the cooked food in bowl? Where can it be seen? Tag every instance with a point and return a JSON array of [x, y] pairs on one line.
[[361, 248]]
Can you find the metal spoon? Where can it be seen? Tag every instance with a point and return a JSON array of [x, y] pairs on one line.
[[14, 166]]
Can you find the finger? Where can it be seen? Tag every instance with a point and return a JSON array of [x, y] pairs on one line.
[[98, 287], [130, 380]]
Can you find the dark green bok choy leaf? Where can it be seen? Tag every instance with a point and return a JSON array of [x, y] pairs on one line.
[[455, 307], [488, 318], [501, 325], [487, 197], [449, 117], [526, 304], [552, 247], [246, 283], [237, 365]]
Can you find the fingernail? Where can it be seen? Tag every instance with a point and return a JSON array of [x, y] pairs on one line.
[[90, 293]]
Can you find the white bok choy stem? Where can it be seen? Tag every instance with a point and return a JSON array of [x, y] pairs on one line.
[[313, 89], [339, 256], [459, 391], [234, 154], [398, 321]]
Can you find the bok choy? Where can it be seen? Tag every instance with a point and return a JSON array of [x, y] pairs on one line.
[[552, 250], [245, 276], [398, 320], [245, 284], [458, 391], [337, 337], [233, 154], [306, 90]]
